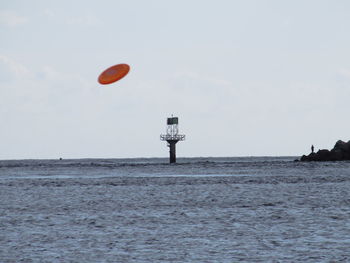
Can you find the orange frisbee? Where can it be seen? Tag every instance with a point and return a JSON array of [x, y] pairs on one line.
[[113, 73]]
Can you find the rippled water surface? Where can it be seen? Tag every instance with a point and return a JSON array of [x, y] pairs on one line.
[[199, 210]]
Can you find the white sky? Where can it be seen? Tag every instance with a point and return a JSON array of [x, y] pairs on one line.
[[244, 77]]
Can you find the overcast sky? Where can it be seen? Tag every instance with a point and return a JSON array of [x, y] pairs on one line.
[[245, 78]]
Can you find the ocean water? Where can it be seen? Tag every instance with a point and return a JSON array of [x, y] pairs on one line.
[[266, 209]]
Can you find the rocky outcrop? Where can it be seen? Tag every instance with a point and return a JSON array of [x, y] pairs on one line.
[[340, 152]]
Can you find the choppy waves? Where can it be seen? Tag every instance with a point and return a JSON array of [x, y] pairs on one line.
[[199, 210]]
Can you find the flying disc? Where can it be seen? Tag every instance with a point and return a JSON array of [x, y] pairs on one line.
[[113, 73]]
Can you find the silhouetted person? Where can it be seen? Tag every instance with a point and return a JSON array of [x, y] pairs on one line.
[[312, 149]]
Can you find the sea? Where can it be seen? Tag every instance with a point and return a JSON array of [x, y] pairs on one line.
[[246, 209]]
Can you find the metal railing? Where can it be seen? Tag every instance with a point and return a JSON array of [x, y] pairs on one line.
[[168, 137]]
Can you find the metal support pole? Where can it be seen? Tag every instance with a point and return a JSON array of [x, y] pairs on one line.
[[172, 151]]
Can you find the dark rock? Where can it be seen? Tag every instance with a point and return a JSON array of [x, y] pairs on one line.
[[337, 155], [340, 152], [342, 146], [323, 155], [303, 158]]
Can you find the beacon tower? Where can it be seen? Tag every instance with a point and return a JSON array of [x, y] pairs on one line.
[[172, 136]]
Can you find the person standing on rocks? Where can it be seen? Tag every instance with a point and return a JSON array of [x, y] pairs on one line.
[[312, 148]]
